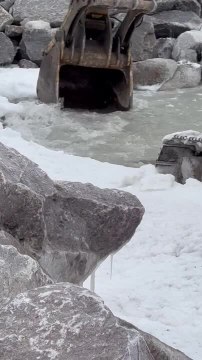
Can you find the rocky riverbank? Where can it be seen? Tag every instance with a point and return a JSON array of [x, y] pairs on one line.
[[171, 37]]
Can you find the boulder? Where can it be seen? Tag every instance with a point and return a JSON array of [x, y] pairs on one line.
[[36, 37], [68, 227], [163, 48], [66, 322], [7, 50], [187, 75], [166, 74], [153, 72], [27, 64], [13, 31], [183, 5], [188, 46], [175, 22], [18, 272], [5, 18], [143, 40], [6, 4], [47, 10]]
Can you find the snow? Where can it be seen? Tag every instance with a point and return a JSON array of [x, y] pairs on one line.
[[156, 281]]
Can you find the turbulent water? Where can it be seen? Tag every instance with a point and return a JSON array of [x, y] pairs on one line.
[[127, 138]]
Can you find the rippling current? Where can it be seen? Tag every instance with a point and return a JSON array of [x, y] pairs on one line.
[[129, 138]]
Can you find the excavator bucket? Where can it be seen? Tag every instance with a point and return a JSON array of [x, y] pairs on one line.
[[88, 64]]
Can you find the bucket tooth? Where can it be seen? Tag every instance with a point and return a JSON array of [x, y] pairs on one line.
[[88, 64]]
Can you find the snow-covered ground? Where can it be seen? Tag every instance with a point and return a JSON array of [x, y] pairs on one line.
[[156, 280]]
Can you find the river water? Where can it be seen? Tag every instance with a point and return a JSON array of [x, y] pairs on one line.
[[128, 138]]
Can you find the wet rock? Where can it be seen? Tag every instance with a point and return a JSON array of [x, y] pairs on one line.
[[36, 37], [188, 47], [18, 272], [27, 64], [163, 48], [68, 227], [7, 50], [47, 10], [183, 5], [153, 72], [175, 22], [66, 322], [5, 18], [13, 31], [143, 40]]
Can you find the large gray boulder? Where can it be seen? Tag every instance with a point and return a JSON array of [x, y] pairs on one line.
[[5, 18], [68, 227], [18, 272], [6, 4], [183, 5], [7, 50], [188, 46], [66, 322], [36, 37], [164, 48], [143, 40], [175, 22], [52, 11], [187, 75]]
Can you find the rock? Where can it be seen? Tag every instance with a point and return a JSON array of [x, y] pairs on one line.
[[6, 4], [13, 31], [66, 322], [143, 40], [175, 22], [68, 227], [5, 18], [7, 50], [187, 75], [47, 10], [166, 74], [188, 46], [27, 64], [153, 72], [163, 48], [183, 5], [18, 272], [36, 37]]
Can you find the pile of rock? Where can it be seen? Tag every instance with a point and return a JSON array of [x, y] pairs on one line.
[[173, 32], [51, 233]]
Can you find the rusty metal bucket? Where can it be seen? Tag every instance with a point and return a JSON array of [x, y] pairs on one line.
[[88, 64]]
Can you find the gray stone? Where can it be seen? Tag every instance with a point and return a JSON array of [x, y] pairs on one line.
[[6, 4], [187, 75], [153, 72], [36, 37], [188, 46], [183, 5], [13, 31], [5, 18], [47, 10], [68, 227], [7, 50], [66, 322], [143, 40], [163, 48], [27, 64], [18, 272], [175, 22]]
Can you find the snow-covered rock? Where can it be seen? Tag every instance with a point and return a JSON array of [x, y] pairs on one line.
[[5, 18], [52, 11], [36, 37], [7, 50], [68, 227], [183, 5], [166, 74], [66, 322], [173, 23], [188, 46], [18, 272]]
